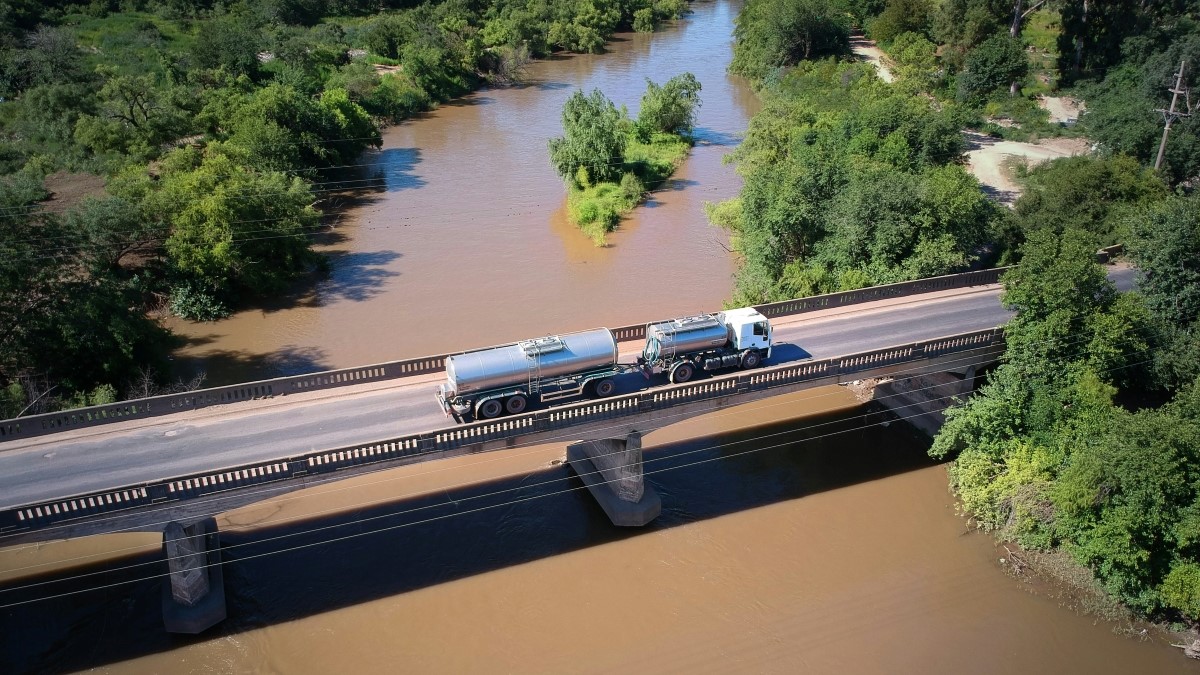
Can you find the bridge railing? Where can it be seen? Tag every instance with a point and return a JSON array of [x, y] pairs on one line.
[[49, 423], [35, 516]]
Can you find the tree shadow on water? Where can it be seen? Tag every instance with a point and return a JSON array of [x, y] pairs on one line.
[[669, 185], [223, 366], [357, 275], [468, 101], [397, 165], [539, 85], [276, 574]]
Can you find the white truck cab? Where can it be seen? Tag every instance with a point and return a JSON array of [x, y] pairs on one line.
[[748, 329]]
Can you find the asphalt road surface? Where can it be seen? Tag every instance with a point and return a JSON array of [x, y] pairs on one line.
[[86, 460]]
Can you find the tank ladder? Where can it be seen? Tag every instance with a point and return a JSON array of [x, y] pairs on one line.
[[533, 363]]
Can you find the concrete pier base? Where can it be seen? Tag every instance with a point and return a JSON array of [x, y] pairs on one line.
[[922, 400], [193, 597], [611, 468]]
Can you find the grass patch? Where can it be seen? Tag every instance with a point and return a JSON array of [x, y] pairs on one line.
[[597, 209], [1020, 118], [130, 41], [1041, 32]]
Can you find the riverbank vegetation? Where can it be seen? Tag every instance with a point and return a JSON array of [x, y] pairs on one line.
[[849, 183], [1086, 438], [161, 156], [610, 161]]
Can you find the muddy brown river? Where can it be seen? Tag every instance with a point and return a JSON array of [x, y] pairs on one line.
[[467, 243], [826, 543], [797, 534]]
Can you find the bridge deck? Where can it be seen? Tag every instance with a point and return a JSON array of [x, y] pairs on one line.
[[84, 461]]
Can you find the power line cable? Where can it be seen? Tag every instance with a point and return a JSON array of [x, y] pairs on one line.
[[67, 251], [567, 435], [492, 494], [564, 436], [462, 513], [37, 208]]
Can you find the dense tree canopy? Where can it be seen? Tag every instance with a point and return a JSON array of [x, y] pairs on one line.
[[849, 183], [609, 161], [593, 139], [1089, 194], [775, 33], [205, 121]]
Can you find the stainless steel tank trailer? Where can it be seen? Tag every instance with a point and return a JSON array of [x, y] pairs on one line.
[[489, 382]]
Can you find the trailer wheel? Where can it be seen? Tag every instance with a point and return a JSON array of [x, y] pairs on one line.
[[605, 387], [488, 409], [682, 372], [516, 404], [751, 359]]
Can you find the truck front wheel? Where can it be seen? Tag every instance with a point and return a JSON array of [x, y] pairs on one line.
[[751, 359]]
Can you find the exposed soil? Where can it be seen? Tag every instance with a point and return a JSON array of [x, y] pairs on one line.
[[866, 50], [986, 157], [69, 189], [1062, 109]]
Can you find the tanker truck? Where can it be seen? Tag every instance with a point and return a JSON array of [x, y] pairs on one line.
[[680, 347], [488, 382]]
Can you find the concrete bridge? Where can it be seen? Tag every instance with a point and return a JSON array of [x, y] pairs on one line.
[[129, 465], [153, 464]]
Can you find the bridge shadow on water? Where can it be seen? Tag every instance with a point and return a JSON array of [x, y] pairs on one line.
[[393, 548]]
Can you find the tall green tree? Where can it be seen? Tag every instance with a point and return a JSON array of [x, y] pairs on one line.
[[670, 108], [1165, 247], [593, 139], [993, 65], [1087, 194], [775, 33], [233, 229]]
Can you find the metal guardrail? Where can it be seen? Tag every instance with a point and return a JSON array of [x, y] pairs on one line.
[[38, 515], [49, 423]]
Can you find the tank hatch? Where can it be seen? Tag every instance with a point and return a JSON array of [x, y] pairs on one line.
[[544, 345], [695, 322]]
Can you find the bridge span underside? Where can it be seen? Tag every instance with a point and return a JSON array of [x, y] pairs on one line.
[[151, 505]]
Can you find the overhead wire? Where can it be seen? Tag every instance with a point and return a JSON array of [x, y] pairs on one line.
[[38, 208], [652, 460], [267, 488], [566, 435], [563, 436], [67, 251], [463, 513]]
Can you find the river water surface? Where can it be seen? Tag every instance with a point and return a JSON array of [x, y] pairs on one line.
[[826, 544], [467, 243], [796, 535]]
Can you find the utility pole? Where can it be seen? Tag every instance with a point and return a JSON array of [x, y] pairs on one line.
[[1169, 116]]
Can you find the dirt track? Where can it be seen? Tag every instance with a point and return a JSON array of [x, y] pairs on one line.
[[867, 51], [986, 155]]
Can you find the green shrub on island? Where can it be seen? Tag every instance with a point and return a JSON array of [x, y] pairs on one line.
[[609, 161]]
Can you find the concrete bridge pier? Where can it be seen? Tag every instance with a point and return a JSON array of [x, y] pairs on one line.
[[193, 596], [612, 470], [922, 399]]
